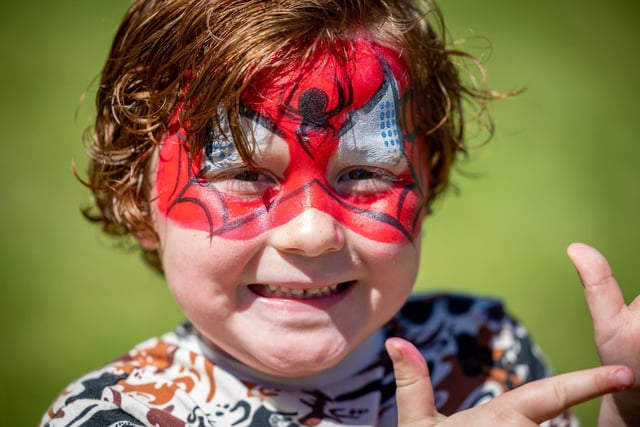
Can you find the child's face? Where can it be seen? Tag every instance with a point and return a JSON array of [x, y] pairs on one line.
[[290, 264]]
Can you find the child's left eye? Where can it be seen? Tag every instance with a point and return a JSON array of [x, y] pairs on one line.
[[358, 174], [363, 181]]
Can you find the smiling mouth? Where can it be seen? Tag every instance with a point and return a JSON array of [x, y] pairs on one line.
[[275, 291]]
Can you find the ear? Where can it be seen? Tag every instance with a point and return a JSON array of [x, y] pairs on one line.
[[148, 239]]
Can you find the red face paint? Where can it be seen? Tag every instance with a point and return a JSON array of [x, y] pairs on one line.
[[337, 119]]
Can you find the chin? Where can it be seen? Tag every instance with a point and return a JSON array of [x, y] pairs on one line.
[[301, 358]]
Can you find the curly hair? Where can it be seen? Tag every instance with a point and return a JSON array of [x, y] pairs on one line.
[[208, 51]]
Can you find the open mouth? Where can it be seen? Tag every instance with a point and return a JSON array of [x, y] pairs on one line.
[[275, 291]]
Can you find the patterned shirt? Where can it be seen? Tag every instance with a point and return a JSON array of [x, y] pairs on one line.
[[475, 352]]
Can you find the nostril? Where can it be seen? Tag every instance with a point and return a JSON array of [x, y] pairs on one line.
[[311, 233]]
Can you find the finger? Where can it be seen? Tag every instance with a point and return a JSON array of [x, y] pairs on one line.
[[603, 295], [414, 393], [547, 398]]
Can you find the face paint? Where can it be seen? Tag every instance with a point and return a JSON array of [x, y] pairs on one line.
[[332, 137]]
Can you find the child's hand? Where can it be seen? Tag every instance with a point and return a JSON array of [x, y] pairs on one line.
[[528, 405], [616, 328]]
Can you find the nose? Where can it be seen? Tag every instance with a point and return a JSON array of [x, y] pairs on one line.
[[312, 233]]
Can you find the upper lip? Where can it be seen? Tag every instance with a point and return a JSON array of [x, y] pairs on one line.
[[301, 285]]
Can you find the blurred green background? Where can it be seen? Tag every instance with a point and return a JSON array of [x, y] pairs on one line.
[[562, 167]]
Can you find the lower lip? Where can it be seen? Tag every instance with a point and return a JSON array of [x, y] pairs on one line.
[[317, 302]]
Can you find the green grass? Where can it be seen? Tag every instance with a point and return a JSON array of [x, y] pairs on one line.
[[561, 168]]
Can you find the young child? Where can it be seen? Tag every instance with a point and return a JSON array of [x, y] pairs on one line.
[[275, 160]]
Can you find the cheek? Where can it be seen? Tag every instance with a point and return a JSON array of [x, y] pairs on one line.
[[400, 259], [179, 251], [193, 205], [394, 217], [197, 278], [394, 268]]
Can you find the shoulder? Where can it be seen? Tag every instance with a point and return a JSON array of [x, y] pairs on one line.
[[474, 348], [459, 312], [131, 390], [421, 307], [471, 326]]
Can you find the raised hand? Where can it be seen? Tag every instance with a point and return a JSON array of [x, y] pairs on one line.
[[616, 329], [528, 405]]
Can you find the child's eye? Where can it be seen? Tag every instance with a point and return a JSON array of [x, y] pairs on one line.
[[358, 174], [242, 181], [247, 175], [364, 180]]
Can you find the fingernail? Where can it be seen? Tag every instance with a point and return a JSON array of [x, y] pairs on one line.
[[623, 377], [394, 352]]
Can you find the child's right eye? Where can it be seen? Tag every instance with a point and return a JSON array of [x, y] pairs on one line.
[[247, 175], [242, 181]]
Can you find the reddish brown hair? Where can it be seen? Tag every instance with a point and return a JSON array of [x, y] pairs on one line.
[[207, 51]]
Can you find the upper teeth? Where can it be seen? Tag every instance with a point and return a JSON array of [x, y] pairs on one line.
[[281, 291]]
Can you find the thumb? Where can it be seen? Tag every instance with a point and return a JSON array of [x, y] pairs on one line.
[[414, 393]]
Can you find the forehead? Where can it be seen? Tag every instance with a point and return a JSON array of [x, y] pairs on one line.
[[347, 95], [347, 72]]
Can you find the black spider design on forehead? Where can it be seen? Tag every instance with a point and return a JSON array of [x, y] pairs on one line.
[[312, 113]]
